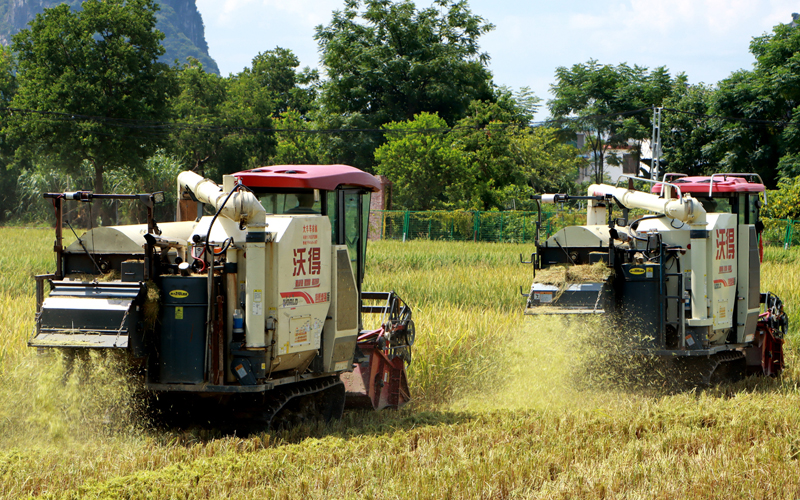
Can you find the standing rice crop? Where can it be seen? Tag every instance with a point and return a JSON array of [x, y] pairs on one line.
[[499, 409]]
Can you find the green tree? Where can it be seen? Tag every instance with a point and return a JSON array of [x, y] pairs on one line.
[[523, 102], [419, 159], [288, 88], [784, 202], [8, 88], [485, 137], [391, 61], [750, 122], [92, 82], [605, 103], [247, 116], [223, 124], [762, 110], [774, 86], [349, 138], [296, 143], [490, 160], [197, 108], [547, 163], [689, 130], [745, 142]]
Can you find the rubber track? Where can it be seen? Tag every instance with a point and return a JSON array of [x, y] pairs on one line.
[[716, 361], [281, 396]]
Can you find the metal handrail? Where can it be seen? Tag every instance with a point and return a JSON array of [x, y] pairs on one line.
[[745, 175], [654, 182], [672, 174], [664, 180]]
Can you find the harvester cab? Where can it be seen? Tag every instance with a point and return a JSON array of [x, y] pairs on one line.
[[677, 269], [257, 307]]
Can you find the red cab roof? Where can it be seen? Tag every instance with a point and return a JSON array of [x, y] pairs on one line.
[[732, 183], [326, 177]]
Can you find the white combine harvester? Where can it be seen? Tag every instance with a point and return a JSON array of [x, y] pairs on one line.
[[684, 278], [251, 314]]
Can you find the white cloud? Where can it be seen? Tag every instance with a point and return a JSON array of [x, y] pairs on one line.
[[231, 7], [305, 12], [291, 13]]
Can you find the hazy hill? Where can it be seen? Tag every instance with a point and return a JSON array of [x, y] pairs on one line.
[[178, 19]]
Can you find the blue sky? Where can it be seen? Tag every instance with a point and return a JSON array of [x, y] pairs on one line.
[[706, 39]]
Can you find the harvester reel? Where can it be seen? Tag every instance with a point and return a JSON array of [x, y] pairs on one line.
[[401, 335], [403, 339], [397, 312], [411, 333], [776, 319]]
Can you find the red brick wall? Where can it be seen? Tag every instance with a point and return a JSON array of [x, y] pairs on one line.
[[381, 200]]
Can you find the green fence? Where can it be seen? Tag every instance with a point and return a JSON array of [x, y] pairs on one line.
[[514, 226], [783, 232], [509, 226]]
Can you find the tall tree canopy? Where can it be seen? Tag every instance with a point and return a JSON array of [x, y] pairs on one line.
[[420, 160], [91, 76], [8, 87], [754, 139], [598, 96], [198, 104], [231, 119], [224, 124], [391, 61], [491, 157], [289, 89], [748, 122], [688, 134]]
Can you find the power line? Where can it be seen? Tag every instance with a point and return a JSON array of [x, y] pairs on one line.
[[133, 123], [782, 123], [597, 117], [168, 126]]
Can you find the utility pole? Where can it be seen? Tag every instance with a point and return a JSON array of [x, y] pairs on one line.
[[655, 144]]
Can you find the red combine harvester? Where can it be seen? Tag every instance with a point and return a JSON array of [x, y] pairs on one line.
[[255, 310]]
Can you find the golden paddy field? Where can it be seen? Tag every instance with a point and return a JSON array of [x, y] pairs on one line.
[[505, 406]]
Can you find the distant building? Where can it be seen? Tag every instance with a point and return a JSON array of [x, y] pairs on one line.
[[617, 161]]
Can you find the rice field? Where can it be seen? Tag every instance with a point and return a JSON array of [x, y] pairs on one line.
[[505, 406]]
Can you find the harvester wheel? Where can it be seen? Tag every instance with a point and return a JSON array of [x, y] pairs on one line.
[[411, 336]]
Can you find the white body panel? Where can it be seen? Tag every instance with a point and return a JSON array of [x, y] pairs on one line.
[[128, 239], [299, 256]]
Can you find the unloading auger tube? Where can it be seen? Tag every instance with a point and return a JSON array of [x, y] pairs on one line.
[[681, 282], [243, 206], [685, 209]]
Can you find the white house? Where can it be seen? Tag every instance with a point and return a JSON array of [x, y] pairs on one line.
[[617, 160]]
